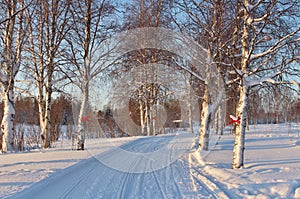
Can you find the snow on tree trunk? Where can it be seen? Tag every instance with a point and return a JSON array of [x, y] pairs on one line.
[[239, 142], [7, 125], [205, 122]]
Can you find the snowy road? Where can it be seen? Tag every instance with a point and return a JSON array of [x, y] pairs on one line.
[[150, 167]]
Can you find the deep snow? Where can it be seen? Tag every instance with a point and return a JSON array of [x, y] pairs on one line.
[[272, 168]]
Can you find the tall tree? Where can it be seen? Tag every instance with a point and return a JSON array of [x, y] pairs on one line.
[[141, 14], [206, 19], [13, 32], [268, 37], [52, 21], [87, 55]]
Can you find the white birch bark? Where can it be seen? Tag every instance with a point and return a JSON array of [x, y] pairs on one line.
[[12, 38], [216, 122], [82, 123], [148, 119], [205, 122], [188, 101], [46, 125], [221, 118], [7, 126], [141, 107], [239, 142]]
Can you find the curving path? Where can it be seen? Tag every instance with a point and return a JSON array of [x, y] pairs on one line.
[[150, 167]]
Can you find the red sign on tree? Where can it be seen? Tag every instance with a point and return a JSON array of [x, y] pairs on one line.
[[85, 118], [234, 120]]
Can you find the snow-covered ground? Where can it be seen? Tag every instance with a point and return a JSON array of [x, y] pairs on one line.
[[272, 164], [19, 171], [159, 167]]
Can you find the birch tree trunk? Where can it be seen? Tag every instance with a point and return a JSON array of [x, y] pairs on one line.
[[221, 118], [46, 135], [7, 125], [190, 115], [83, 119], [148, 118], [205, 122], [141, 107], [239, 142], [216, 122], [189, 101], [12, 38]]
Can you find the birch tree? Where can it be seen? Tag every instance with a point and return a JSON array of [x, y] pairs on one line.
[[140, 14], [48, 25], [206, 18], [269, 33], [87, 55], [13, 32]]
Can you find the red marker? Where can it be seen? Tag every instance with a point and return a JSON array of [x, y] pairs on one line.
[[85, 118], [234, 119]]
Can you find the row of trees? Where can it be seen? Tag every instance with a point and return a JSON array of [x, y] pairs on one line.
[[62, 122], [26, 118], [253, 43], [273, 104], [50, 46]]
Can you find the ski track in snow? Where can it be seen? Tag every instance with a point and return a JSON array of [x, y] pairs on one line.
[[93, 179]]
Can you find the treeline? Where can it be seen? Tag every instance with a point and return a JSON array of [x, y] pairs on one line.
[[63, 115], [63, 123]]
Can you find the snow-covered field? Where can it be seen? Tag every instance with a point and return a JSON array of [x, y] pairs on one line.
[[159, 167]]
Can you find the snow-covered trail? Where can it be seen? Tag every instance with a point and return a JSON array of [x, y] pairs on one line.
[[150, 167]]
